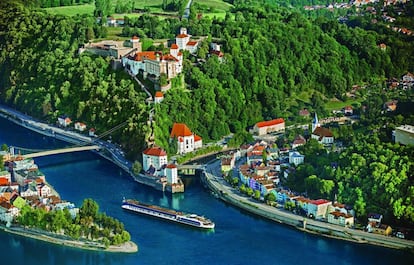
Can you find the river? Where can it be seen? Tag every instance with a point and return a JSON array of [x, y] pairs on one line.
[[239, 238]]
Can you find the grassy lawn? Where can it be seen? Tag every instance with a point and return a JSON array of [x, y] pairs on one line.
[[220, 15], [153, 5], [338, 105], [72, 10], [114, 33], [217, 5]]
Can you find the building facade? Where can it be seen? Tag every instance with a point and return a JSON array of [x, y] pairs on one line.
[[186, 140], [155, 157], [266, 127]]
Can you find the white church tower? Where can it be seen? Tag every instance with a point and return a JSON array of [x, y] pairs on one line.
[[315, 122]]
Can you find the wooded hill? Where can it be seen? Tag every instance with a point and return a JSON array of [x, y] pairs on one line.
[[277, 62], [42, 74]]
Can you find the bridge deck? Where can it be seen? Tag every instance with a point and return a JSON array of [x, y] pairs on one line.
[[62, 151]]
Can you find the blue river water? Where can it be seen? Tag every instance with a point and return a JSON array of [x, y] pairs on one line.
[[239, 237]]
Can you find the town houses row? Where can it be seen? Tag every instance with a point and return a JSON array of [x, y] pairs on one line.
[[21, 183]]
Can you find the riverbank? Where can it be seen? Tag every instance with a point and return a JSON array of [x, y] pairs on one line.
[[229, 195], [127, 247]]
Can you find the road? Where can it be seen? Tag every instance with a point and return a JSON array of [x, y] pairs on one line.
[[220, 186], [186, 13], [116, 154]]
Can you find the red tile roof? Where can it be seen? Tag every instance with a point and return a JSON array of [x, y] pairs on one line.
[[155, 151], [181, 36], [218, 53], [348, 108], [4, 182], [159, 94], [270, 123], [299, 140], [180, 129], [135, 37], [319, 201], [169, 57], [140, 56], [191, 43], [174, 46], [171, 166], [197, 138]]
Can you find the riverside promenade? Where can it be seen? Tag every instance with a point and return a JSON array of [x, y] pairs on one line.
[[112, 152], [230, 195]]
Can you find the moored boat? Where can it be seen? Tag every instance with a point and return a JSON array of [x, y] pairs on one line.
[[168, 214]]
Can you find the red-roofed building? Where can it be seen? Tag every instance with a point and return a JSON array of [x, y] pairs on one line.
[[186, 140], [348, 110], [318, 208], [154, 63], [323, 135], [172, 173], [80, 126], [192, 46], [159, 96], [4, 182], [64, 120], [340, 218], [154, 157], [92, 132], [299, 141], [182, 41], [265, 127]]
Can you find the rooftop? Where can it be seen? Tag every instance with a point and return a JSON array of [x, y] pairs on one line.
[[155, 151], [321, 131], [180, 129], [270, 123]]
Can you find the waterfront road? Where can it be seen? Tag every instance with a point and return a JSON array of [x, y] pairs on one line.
[[113, 154], [231, 195]]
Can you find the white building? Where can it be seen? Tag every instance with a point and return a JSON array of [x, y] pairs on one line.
[[64, 121], [341, 219], [80, 126], [8, 212], [322, 135], [265, 127], [296, 158], [153, 63], [172, 174], [404, 134], [155, 157], [182, 39], [318, 208], [186, 140], [159, 97]]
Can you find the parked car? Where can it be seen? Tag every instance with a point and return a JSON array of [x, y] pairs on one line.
[[400, 235]]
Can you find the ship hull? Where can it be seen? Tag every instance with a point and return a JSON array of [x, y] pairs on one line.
[[166, 214]]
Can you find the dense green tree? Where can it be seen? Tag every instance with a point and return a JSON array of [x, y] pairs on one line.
[[136, 167], [89, 208]]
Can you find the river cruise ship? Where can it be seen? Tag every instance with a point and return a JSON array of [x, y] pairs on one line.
[[168, 214]]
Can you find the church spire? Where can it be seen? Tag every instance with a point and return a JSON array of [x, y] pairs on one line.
[[315, 122]]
